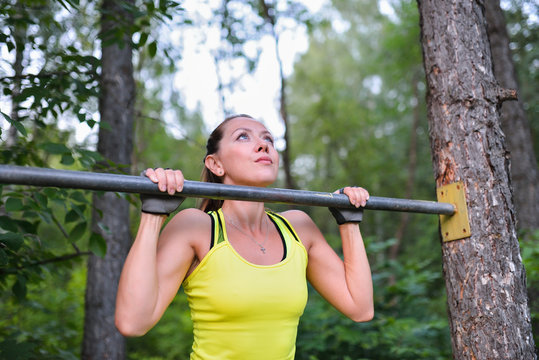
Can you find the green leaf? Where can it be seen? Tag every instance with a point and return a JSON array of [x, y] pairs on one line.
[[41, 199], [55, 148], [12, 240], [104, 227], [67, 159], [78, 197], [98, 245], [77, 232], [45, 216], [152, 49], [13, 349], [143, 39], [79, 209], [19, 288], [27, 227], [4, 259], [13, 204], [7, 223], [51, 192], [20, 128], [71, 216]]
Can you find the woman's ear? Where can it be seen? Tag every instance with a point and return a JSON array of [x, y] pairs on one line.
[[214, 165]]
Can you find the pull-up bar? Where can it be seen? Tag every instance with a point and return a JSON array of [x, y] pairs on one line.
[[34, 176]]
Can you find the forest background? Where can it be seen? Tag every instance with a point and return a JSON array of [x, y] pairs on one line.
[[354, 111]]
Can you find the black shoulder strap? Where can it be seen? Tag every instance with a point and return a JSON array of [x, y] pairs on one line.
[[286, 223], [216, 229]]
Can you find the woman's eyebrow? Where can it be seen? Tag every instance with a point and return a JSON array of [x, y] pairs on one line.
[[251, 131], [243, 129]]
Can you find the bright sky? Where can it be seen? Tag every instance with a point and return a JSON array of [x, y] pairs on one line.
[[256, 95], [196, 78]]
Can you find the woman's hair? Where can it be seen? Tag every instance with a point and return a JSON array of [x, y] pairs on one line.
[[212, 146]]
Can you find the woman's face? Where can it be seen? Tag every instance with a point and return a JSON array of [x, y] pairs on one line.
[[247, 154]]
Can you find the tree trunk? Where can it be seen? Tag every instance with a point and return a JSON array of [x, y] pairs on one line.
[[270, 17], [410, 181], [484, 275], [19, 35], [111, 213], [524, 174]]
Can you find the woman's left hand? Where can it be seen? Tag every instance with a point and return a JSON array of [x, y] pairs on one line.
[[358, 197]]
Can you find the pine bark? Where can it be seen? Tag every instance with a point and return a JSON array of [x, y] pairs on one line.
[[485, 279], [524, 174], [111, 213]]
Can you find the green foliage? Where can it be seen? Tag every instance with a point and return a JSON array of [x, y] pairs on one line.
[[37, 228], [529, 250], [47, 323], [409, 323]]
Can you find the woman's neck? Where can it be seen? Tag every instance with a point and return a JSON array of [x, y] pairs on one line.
[[248, 214]]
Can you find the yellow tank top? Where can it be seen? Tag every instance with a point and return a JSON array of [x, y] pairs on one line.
[[244, 311]]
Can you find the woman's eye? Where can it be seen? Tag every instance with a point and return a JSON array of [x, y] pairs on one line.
[[269, 139], [242, 136]]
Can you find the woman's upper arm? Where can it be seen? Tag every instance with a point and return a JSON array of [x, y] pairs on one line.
[[176, 251], [325, 269]]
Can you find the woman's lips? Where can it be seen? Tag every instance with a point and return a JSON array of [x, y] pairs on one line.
[[264, 159]]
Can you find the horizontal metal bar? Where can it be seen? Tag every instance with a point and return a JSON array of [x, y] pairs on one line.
[[34, 176]]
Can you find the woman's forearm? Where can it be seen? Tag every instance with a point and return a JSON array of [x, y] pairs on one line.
[[357, 271], [138, 287]]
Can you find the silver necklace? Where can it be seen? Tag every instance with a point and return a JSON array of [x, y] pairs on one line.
[[261, 245]]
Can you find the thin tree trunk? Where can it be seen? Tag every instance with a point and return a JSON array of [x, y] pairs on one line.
[[412, 164], [485, 279], [111, 213], [269, 15], [19, 35], [524, 174]]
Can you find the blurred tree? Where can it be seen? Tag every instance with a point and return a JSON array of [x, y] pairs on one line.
[[110, 217], [515, 124], [522, 27], [484, 271], [524, 173]]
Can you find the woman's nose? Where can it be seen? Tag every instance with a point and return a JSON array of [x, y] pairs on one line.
[[262, 146]]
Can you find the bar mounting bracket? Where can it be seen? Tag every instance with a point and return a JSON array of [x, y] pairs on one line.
[[456, 226]]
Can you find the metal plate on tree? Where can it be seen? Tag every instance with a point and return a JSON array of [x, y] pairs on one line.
[[456, 226]]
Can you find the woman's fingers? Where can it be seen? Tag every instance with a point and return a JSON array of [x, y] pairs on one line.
[[167, 179], [357, 195], [161, 179], [179, 180], [150, 173]]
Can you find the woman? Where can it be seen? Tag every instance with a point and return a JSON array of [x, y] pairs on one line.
[[244, 269]]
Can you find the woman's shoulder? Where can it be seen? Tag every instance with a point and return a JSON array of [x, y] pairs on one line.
[[304, 226], [191, 214], [189, 222], [296, 217], [300, 221]]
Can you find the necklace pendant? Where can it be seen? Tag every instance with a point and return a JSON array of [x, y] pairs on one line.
[[263, 249]]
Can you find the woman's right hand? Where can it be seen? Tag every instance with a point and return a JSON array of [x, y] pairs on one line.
[[168, 181]]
